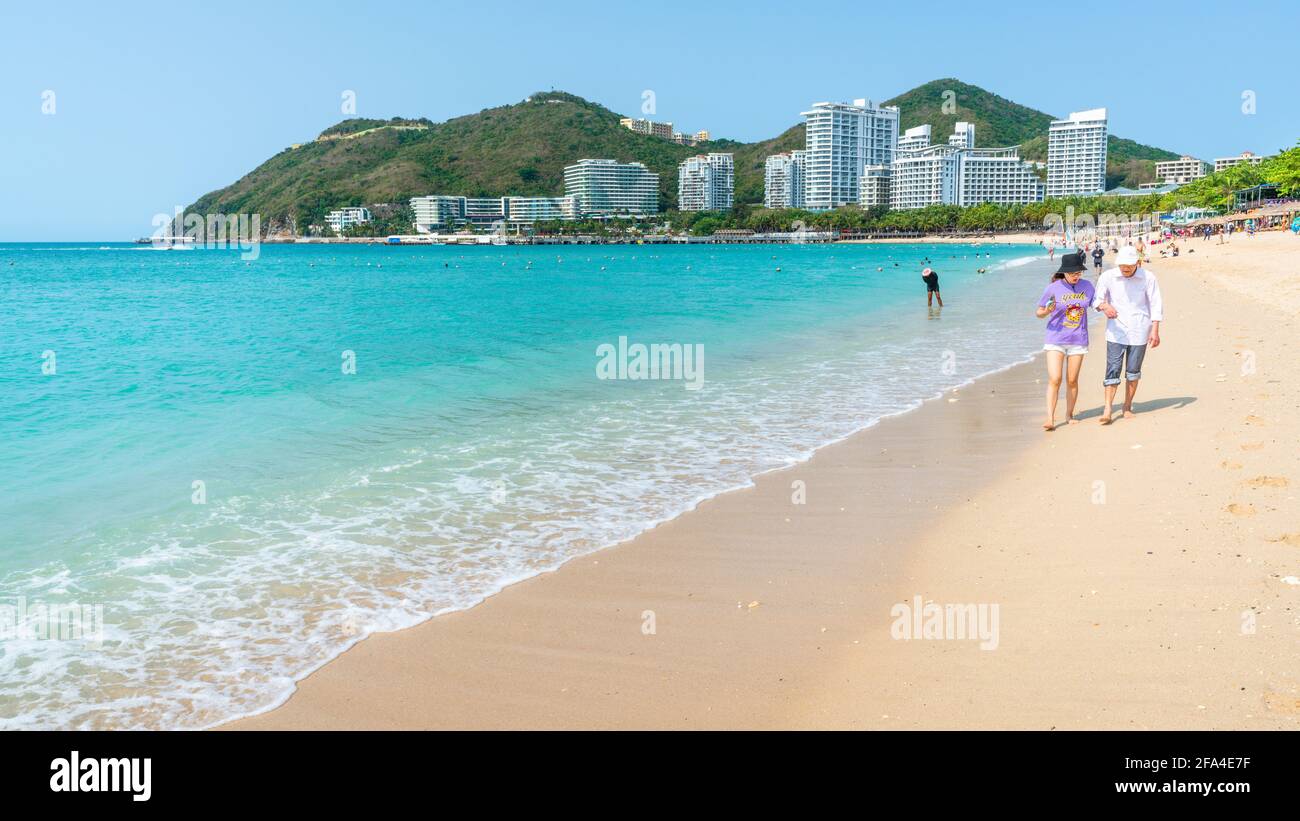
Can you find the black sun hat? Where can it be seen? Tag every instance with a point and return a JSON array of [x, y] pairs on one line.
[[1071, 264]]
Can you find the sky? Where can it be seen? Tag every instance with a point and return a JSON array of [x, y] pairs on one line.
[[113, 113]]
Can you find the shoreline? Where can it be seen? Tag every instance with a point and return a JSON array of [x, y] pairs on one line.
[[690, 509], [898, 426], [767, 614]]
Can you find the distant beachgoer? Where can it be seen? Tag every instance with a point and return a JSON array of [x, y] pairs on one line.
[[1130, 298], [1098, 254], [1065, 305], [931, 287]]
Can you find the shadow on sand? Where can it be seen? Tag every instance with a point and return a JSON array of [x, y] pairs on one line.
[[1140, 407]]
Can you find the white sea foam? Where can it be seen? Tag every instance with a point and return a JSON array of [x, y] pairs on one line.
[[218, 616], [1019, 262]]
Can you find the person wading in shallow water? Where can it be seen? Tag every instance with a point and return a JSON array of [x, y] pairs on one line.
[[931, 287]]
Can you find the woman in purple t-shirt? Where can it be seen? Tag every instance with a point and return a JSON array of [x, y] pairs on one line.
[[1065, 306]]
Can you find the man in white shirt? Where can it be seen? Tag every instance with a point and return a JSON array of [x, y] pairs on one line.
[[1129, 296]]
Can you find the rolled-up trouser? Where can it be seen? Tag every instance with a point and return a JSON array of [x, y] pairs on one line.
[[1123, 357]]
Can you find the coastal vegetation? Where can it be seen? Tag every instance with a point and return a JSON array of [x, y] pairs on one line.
[[1217, 190], [986, 217]]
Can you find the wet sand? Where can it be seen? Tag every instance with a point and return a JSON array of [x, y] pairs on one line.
[[1144, 573]]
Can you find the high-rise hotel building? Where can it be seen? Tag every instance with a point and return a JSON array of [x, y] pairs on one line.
[[1180, 171], [913, 139], [924, 176], [783, 180], [608, 188], [1076, 154], [996, 175], [706, 182], [1228, 162], [445, 213], [841, 140], [957, 173], [874, 189], [963, 135]]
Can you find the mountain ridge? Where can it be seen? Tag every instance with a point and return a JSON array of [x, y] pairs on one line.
[[522, 148]]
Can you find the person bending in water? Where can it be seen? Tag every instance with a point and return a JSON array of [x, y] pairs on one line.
[[931, 287]]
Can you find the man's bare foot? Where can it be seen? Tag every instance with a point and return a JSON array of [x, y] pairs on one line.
[[1105, 418], [1071, 421], [1049, 425], [1129, 412]]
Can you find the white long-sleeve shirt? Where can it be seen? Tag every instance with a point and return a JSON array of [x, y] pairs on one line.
[[1137, 302]]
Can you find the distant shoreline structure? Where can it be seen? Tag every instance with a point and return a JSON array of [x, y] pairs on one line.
[[720, 238]]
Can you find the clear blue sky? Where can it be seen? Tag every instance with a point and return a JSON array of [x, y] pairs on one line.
[[157, 104]]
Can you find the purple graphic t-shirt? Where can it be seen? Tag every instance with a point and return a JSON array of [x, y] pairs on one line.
[[1067, 324]]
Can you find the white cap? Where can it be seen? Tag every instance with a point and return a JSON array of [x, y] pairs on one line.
[[1128, 255]]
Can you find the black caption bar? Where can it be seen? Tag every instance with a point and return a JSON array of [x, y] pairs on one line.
[[145, 772]]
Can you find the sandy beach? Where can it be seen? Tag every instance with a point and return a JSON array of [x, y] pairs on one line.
[[1145, 573]]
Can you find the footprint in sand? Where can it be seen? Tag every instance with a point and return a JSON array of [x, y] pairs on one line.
[[1255, 420], [1240, 510], [1267, 481], [1292, 539], [1230, 465], [1252, 446]]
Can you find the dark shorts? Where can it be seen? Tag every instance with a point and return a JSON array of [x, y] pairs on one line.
[[932, 290], [1126, 358]]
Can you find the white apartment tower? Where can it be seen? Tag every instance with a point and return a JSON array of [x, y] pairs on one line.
[[874, 190], [963, 135], [606, 188], [446, 213], [1180, 171], [914, 139], [924, 176], [783, 180], [956, 173], [842, 140], [706, 182], [996, 175], [1228, 162], [342, 219], [1076, 154]]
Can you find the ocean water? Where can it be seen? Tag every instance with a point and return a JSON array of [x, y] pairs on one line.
[[183, 448]]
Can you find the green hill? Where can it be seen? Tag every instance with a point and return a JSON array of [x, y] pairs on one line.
[[523, 148], [1000, 122]]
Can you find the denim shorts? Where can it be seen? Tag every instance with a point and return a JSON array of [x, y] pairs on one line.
[[1116, 356]]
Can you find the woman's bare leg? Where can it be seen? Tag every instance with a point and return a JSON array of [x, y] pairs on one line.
[[1072, 386], [1055, 361]]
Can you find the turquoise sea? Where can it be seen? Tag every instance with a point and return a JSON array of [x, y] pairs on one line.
[[184, 446]]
